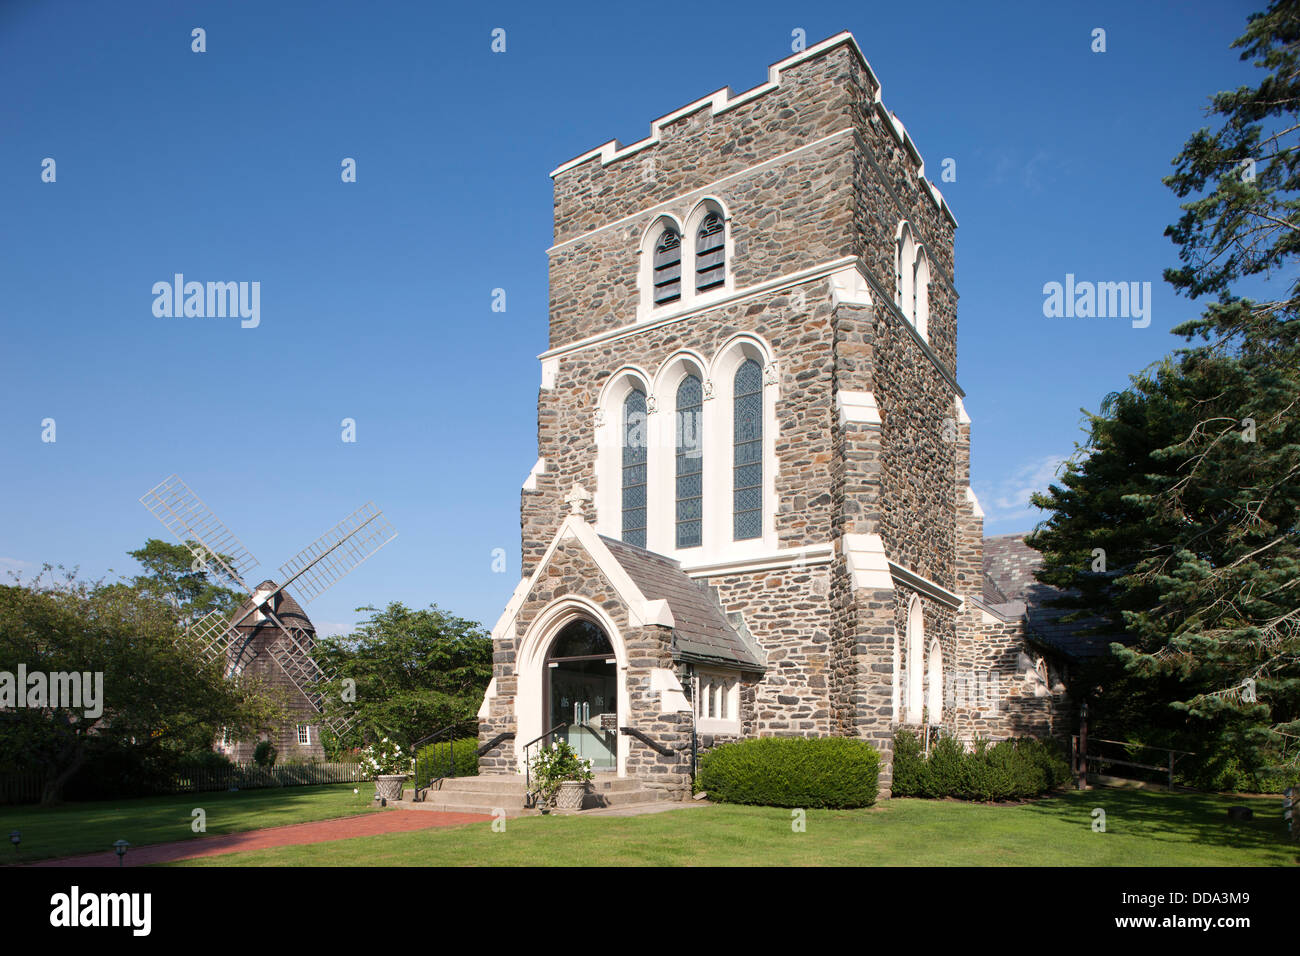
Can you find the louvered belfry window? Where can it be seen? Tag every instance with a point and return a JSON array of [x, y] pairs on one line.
[[748, 443], [690, 462], [668, 268], [634, 468], [710, 254]]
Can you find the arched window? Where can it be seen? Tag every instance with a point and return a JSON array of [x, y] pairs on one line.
[[934, 700], [915, 653], [710, 253], [905, 267], [747, 484], [690, 462], [668, 267], [634, 468], [921, 305]]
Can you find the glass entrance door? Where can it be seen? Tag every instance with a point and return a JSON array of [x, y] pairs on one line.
[[582, 692]]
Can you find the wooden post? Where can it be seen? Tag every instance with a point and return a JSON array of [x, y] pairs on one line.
[[1083, 747], [1171, 770]]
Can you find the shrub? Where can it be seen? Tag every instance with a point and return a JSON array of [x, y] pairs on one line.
[[1009, 770], [264, 754], [792, 772], [435, 760]]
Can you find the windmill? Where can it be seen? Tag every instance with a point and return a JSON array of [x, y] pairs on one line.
[[312, 571]]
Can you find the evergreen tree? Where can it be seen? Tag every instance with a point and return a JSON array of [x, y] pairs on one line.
[[1190, 481]]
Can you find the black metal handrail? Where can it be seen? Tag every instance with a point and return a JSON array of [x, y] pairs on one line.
[[530, 797], [508, 735], [435, 737], [656, 747]]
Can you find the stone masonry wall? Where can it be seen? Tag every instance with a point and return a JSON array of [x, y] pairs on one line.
[[788, 613]]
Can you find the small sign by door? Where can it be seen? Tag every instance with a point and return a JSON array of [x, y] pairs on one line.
[[609, 721]]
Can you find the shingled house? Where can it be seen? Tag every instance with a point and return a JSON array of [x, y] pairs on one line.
[[751, 510]]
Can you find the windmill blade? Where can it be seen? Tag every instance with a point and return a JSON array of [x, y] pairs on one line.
[[292, 651], [213, 637], [315, 568], [185, 515]]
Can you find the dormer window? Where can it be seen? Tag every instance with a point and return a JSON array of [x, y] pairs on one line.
[[710, 253], [668, 268]]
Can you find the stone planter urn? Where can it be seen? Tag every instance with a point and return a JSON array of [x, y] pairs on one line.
[[570, 795], [389, 785]]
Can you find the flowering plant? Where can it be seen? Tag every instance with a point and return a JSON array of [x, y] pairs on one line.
[[385, 758], [556, 765]]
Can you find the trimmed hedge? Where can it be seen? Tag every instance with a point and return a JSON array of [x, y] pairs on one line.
[[800, 772], [435, 760], [1009, 770]]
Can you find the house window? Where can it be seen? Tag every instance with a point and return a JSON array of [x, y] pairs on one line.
[[634, 468], [226, 741], [668, 268], [717, 700], [747, 485], [710, 254], [304, 735], [690, 462]]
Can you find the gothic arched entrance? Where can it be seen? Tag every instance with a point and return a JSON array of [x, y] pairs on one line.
[[580, 680]]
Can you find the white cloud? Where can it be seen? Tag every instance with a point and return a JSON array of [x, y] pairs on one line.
[[1006, 500], [12, 564]]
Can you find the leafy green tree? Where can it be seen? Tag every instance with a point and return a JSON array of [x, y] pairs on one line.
[[415, 671], [173, 574], [1190, 480], [159, 701]]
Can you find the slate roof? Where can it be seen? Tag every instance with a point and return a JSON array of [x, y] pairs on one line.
[[1011, 590], [701, 631]]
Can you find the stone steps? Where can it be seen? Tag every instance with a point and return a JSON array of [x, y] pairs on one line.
[[492, 793]]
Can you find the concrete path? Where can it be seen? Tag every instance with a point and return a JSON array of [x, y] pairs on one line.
[[371, 823]]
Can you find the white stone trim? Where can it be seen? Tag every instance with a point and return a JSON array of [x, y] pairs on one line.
[[530, 483], [960, 408], [868, 566], [810, 556], [485, 708], [507, 618], [550, 371], [924, 585], [974, 502], [777, 284], [859, 408], [848, 287], [672, 699]]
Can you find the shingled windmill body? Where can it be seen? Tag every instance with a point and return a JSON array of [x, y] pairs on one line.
[[270, 637], [253, 655]]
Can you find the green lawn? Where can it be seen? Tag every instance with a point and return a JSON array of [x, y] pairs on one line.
[[1143, 828], [88, 827]]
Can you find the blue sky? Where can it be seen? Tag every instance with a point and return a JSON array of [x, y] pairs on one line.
[[376, 295]]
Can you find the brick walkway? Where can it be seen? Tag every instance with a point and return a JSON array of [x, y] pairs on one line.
[[295, 834]]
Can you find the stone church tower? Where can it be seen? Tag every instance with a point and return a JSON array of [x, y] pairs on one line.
[[751, 512]]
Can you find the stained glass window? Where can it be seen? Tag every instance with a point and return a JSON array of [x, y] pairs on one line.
[[634, 469], [690, 462], [747, 507]]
